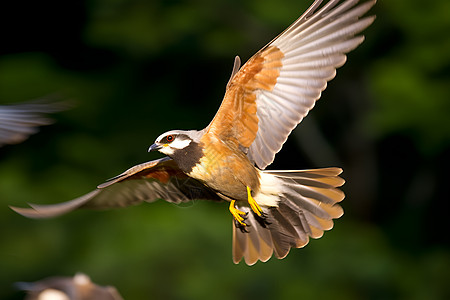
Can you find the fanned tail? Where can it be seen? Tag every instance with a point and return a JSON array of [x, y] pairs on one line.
[[306, 204]]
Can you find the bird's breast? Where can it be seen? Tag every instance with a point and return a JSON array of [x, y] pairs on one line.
[[226, 171]]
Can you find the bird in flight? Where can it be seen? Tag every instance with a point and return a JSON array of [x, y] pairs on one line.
[[265, 99]]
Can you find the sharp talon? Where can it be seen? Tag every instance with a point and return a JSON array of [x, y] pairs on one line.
[[253, 205], [262, 220], [239, 216], [264, 217], [242, 228]]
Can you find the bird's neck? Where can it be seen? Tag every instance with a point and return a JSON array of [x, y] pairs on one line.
[[188, 157]]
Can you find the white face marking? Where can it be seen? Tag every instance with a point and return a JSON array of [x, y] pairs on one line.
[[167, 150], [179, 144]]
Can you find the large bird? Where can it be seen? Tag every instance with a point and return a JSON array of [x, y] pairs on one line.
[[265, 100]]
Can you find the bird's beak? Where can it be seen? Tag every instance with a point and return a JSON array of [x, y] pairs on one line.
[[154, 147]]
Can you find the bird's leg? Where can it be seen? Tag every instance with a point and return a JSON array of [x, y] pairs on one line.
[[253, 205], [238, 215]]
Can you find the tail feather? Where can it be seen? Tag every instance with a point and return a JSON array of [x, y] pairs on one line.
[[327, 195], [283, 230], [325, 182], [265, 243], [305, 207], [257, 244], [298, 221]]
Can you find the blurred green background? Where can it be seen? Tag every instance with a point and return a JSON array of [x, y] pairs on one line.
[[137, 68]]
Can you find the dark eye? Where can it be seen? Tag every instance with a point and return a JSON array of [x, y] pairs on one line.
[[169, 138]]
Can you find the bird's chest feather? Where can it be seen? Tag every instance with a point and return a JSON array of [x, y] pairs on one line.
[[226, 170]]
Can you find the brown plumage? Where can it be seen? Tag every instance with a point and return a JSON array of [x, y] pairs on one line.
[[273, 211]]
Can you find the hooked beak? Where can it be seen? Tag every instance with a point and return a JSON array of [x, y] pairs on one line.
[[154, 147]]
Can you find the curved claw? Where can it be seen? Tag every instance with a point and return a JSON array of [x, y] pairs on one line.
[[242, 228]]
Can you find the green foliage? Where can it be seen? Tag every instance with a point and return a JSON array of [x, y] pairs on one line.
[[411, 83]]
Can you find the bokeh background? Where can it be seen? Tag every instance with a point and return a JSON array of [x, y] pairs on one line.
[[137, 68]]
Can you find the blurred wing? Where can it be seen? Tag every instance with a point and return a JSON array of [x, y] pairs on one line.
[[19, 121], [158, 179], [280, 84]]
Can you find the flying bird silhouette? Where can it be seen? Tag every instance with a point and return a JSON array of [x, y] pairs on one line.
[[265, 99]]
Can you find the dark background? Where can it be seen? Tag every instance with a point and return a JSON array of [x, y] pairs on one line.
[[138, 68]]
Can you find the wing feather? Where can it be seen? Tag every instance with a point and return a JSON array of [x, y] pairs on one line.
[[147, 182], [295, 63], [278, 86]]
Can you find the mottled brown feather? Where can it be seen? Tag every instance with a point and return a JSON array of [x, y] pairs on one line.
[[158, 179], [162, 170], [236, 118]]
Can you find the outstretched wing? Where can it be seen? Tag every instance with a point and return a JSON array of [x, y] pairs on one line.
[[19, 121], [279, 85], [157, 179]]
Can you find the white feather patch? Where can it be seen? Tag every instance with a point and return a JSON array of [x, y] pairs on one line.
[[269, 191], [180, 143], [167, 150], [177, 144]]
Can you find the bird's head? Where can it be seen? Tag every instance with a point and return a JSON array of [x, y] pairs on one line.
[[175, 140]]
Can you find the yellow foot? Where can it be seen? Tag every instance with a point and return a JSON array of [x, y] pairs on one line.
[[254, 206], [237, 214]]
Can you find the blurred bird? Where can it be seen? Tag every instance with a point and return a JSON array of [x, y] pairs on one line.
[[19, 121], [79, 287], [264, 101]]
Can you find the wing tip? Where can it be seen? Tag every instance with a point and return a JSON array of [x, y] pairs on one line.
[[38, 211], [31, 212]]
